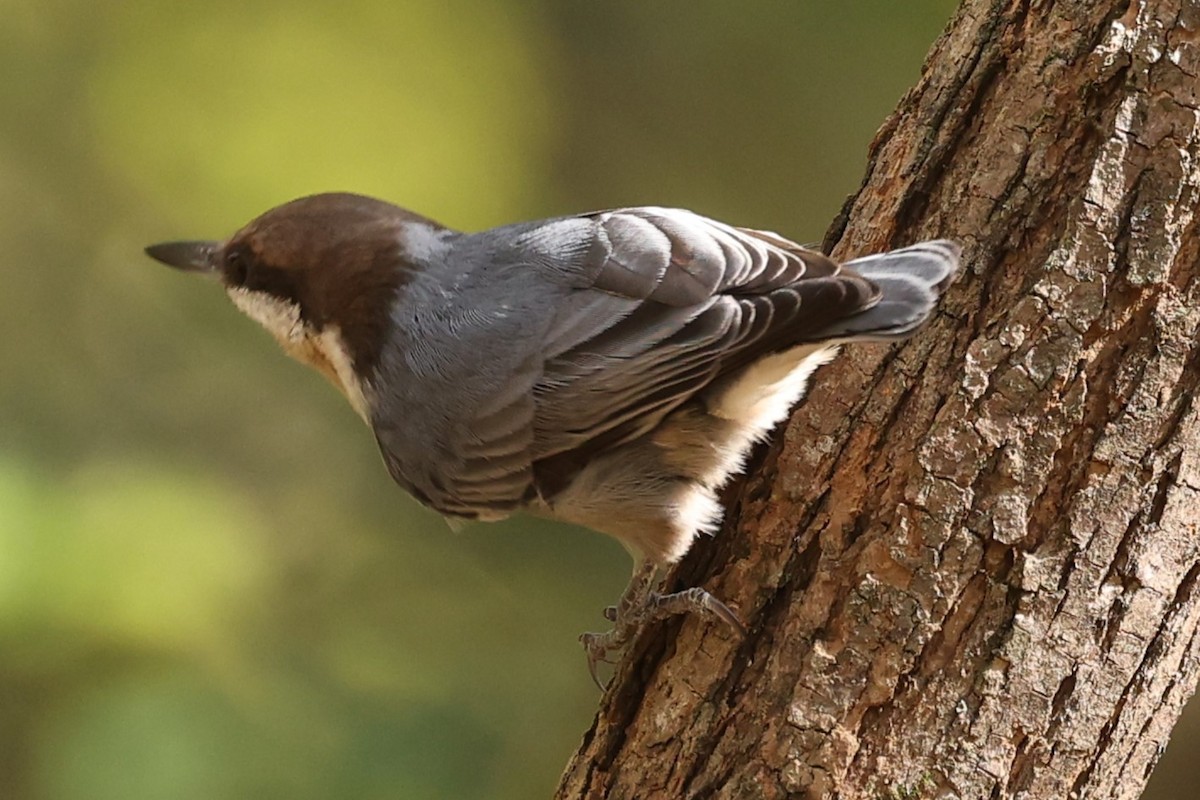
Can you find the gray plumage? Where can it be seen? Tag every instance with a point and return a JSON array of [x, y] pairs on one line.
[[549, 346]]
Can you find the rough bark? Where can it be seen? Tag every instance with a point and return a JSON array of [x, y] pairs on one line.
[[970, 564]]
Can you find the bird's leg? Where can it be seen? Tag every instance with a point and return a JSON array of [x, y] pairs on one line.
[[626, 617], [694, 600], [640, 604]]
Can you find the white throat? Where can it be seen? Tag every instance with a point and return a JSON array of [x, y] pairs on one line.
[[324, 351]]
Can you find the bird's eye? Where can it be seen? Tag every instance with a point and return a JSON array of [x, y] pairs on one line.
[[237, 267]]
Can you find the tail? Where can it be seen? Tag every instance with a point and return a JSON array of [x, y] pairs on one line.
[[910, 281]]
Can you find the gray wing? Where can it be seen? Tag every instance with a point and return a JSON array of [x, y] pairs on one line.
[[608, 322], [704, 299]]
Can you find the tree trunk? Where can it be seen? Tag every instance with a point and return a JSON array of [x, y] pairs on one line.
[[970, 564]]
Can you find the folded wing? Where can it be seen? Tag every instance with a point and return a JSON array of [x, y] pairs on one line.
[[609, 321]]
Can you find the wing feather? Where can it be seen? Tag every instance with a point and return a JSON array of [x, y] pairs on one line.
[[624, 316]]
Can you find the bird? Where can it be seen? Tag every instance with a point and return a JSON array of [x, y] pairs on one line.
[[610, 369]]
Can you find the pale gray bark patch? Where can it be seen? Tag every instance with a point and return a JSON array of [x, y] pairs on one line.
[[971, 563]]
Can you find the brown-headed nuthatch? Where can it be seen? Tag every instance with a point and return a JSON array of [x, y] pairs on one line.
[[610, 369]]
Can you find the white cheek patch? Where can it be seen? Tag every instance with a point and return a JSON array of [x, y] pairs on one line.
[[279, 317]]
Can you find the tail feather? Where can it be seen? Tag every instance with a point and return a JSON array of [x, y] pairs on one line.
[[910, 281]]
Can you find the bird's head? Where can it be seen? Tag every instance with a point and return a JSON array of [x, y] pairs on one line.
[[320, 274]]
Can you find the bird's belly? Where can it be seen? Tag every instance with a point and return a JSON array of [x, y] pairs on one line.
[[761, 395]]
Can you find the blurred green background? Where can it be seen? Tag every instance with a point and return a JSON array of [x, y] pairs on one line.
[[209, 587]]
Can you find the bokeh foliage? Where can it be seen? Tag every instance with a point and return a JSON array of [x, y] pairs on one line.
[[209, 587]]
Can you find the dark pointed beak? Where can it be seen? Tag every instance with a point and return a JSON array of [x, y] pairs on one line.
[[187, 256]]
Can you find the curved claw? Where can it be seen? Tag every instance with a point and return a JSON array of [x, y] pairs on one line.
[[596, 652], [694, 599], [725, 614]]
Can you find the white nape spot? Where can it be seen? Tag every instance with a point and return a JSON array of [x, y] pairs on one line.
[[324, 351], [761, 396], [422, 242]]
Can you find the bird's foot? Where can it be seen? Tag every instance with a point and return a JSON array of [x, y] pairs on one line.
[[640, 605]]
